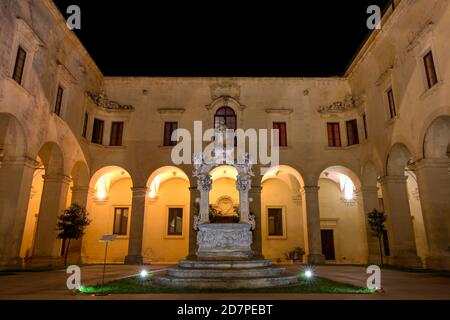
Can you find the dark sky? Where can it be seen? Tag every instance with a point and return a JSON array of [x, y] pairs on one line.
[[300, 38]]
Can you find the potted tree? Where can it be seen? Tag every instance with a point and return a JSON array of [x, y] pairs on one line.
[[71, 225], [377, 226]]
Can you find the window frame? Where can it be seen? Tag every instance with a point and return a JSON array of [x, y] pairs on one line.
[[58, 106], [167, 141], [101, 134], [366, 130], [283, 125], [283, 236], [168, 235], [351, 127], [430, 54], [122, 208], [120, 136], [19, 81], [391, 103], [333, 137], [85, 125]]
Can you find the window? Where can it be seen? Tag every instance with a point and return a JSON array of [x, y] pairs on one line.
[[58, 103], [85, 124], [392, 109], [120, 221], [175, 223], [227, 116], [169, 128], [116, 134], [97, 131], [364, 118], [334, 134], [19, 65], [430, 69], [352, 132], [275, 221], [282, 138]]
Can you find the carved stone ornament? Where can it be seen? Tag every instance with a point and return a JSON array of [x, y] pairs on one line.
[[196, 222], [204, 182], [349, 103], [252, 221], [244, 182], [225, 89], [102, 101]]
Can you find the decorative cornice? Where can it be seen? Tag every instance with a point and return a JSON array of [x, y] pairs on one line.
[[384, 76], [416, 38], [171, 110], [279, 111], [348, 104], [102, 101]]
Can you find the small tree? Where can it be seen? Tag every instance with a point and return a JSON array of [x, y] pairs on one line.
[[71, 225], [377, 227]]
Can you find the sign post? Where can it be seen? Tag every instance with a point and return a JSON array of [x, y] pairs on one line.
[[105, 238]]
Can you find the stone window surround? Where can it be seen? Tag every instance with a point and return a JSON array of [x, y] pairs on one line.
[[281, 115], [168, 115], [342, 120], [166, 223], [108, 118], [65, 80], [283, 220], [27, 39]]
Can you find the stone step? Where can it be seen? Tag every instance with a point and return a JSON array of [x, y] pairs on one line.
[[225, 273], [224, 264], [208, 283]]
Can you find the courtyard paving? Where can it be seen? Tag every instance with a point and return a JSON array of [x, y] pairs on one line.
[[398, 285]]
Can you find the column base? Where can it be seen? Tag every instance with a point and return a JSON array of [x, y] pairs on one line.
[[438, 263], [37, 262], [135, 259], [374, 259], [315, 259], [406, 259], [9, 263]]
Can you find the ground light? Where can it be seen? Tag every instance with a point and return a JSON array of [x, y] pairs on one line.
[[143, 273], [308, 274]]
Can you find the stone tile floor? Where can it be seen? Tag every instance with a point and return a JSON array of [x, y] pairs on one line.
[[51, 285]]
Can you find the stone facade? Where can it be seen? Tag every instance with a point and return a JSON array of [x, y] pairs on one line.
[[48, 161]]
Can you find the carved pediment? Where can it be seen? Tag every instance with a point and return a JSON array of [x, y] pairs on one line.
[[349, 103], [101, 100]]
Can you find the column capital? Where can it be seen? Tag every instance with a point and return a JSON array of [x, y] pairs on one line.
[[393, 179], [366, 190], [310, 189], [139, 192], [438, 163], [60, 178]]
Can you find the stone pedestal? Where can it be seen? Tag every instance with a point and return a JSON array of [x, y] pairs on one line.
[[224, 241]]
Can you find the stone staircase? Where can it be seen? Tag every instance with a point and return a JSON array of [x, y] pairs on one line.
[[224, 274]]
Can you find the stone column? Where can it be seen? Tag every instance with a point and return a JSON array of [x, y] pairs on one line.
[[16, 178], [434, 189], [47, 247], [195, 194], [367, 198], [243, 185], [313, 241], [401, 236], [80, 196], [137, 226], [204, 184], [255, 207]]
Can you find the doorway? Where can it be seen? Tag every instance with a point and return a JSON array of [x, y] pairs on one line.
[[328, 244]]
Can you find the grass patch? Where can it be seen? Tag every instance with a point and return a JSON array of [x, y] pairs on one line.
[[138, 285]]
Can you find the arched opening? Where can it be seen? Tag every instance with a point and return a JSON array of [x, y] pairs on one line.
[[282, 216], [226, 116], [403, 207], [437, 139], [109, 209], [341, 224], [167, 214], [15, 175], [50, 195]]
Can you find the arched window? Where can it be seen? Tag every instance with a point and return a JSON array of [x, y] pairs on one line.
[[227, 115]]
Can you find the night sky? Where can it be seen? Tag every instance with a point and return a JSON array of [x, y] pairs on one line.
[[222, 38]]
